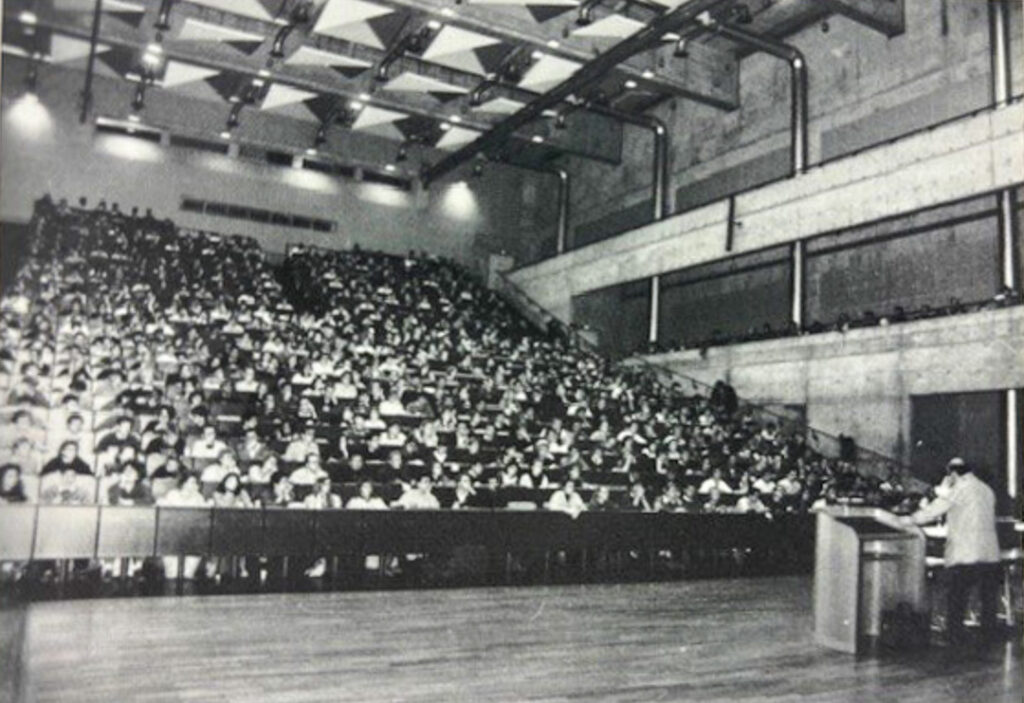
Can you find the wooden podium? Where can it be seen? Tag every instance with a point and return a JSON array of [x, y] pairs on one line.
[[866, 562]]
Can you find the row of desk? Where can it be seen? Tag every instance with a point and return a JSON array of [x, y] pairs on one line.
[[34, 532]]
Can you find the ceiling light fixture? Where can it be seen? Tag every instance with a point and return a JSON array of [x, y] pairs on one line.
[[630, 84], [390, 168], [537, 139]]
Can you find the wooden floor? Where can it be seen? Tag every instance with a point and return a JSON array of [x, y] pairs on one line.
[[733, 640]]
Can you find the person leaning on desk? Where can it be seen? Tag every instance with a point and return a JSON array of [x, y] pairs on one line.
[[972, 546]]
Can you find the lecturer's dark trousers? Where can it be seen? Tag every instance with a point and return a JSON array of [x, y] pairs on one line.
[[963, 578]]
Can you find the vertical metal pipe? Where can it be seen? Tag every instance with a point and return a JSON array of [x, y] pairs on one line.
[[1008, 237], [563, 208], [797, 289], [798, 83], [660, 159], [1012, 442], [97, 14], [652, 328], [798, 113], [999, 49]]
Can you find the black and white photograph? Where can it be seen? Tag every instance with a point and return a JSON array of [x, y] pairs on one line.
[[511, 351]]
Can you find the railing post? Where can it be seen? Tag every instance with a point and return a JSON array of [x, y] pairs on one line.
[[1008, 253]]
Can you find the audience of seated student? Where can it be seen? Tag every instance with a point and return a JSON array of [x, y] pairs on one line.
[[171, 355]]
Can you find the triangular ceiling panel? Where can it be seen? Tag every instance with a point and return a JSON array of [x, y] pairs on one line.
[[226, 84], [371, 116], [280, 95], [456, 137], [610, 26], [179, 73], [120, 60], [346, 65], [414, 83], [548, 72], [197, 30], [298, 110], [500, 106], [547, 11], [540, 10], [247, 8], [465, 51], [454, 40], [355, 21], [64, 49]]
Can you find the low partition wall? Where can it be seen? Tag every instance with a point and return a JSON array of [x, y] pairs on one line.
[[496, 537]]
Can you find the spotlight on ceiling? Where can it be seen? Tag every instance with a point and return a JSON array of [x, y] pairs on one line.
[[390, 168], [402, 155], [537, 139], [629, 85], [27, 17], [682, 51], [445, 126], [560, 121]]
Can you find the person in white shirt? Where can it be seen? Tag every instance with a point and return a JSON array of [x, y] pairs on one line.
[[418, 497], [566, 500], [366, 500], [714, 483], [972, 545]]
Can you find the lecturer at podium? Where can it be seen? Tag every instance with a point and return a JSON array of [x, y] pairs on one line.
[[972, 546]]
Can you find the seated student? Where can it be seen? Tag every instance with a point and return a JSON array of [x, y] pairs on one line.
[[186, 494], [213, 474], [689, 501], [251, 449], [670, 500], [67, 488], [230, 494], [12, 490], [207, 449], [354, 470], [122, 435], [393, 436], [601, 500], [66, 460], [366, 500], [321, 497], [535, 477], [418, 496], [465, 494], [306, 475], [25, 454], [302, 446], [566, 500], [637, 499], [715, 482], [752, 503], [130, 489], [22, 426], [259, 476]]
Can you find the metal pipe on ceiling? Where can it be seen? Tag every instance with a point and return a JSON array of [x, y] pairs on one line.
[[798, 84], [90, 66], [646, 38]]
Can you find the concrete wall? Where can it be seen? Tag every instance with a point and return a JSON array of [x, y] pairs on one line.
[[860, 382], [863, 88], [968, 157], [45, 149]]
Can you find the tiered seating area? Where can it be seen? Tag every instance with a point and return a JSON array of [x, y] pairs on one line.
[[144, 364]]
